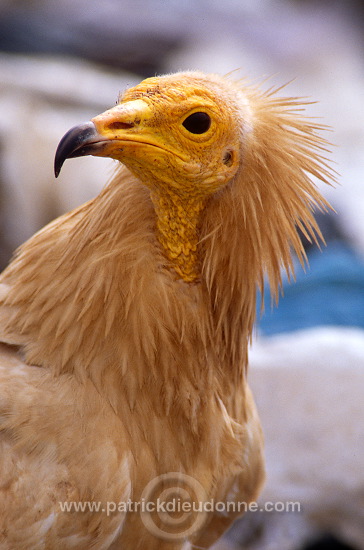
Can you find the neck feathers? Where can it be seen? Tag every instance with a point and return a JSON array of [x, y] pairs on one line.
[[92, 293]]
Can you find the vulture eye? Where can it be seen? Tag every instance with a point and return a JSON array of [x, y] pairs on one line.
[[197, 123]]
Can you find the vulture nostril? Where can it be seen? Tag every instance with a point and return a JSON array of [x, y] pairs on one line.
[[120, 125]]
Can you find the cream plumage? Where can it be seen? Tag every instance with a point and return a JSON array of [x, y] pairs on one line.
[[125, 323]]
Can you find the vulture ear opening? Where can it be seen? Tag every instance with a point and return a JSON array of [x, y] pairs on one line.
[[228, 157]]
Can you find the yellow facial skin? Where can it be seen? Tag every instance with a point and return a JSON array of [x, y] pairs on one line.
[[182, 169]]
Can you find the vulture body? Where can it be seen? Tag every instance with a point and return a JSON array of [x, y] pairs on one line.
[[125, 324]]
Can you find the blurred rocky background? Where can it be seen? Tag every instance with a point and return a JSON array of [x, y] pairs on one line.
[[62, 62]]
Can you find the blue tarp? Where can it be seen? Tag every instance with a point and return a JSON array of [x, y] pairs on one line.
[[331, 292]]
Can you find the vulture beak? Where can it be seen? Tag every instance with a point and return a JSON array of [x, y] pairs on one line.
[[103, 134], [79, 141]]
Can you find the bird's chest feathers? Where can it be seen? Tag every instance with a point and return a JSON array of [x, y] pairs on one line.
[[134, 314]]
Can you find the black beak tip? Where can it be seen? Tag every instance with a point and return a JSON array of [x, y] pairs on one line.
[[57, 168], [58, 163], [72, 144]]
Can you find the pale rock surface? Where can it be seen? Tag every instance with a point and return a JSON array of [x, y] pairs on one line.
[[40, 99], [309, 388]]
